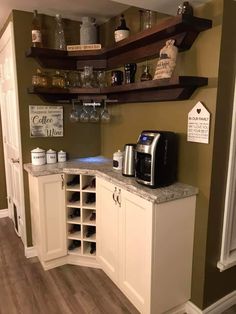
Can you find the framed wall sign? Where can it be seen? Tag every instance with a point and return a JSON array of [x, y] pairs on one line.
[[46, 121], [198, 124]]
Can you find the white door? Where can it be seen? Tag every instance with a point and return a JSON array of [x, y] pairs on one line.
[[135, 249], [11, 132], [107, 228]]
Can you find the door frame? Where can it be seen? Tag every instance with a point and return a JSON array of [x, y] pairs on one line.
[[8, 36]]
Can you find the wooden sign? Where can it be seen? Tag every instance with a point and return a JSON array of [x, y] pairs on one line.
[[46, 121], [198, 124]]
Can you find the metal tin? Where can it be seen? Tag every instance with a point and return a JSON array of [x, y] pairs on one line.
[[61, 156], [38, 156], [51, 156]]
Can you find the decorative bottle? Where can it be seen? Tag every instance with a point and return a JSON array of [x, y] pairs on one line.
[[36, 31], [122, 31], [60, 42], [185, 8]]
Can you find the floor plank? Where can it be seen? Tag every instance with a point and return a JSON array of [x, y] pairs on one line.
[[25, 288]]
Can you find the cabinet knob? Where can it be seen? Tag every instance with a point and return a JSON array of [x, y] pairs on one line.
[[62, 182], [15, 160], [118, 198], [114, 195]]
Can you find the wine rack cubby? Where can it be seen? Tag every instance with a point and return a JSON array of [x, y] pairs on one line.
[[81, 214]]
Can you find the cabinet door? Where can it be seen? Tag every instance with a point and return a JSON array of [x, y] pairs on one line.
[[135, 249], [107, 229], [52, 216]]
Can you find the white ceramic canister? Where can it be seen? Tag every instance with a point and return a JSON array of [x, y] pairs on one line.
[[61, 156], [51, 156], [117, 160], [38, 156]]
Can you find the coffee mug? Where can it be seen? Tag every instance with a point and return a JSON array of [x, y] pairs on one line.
[[116, 78], [130, 70]]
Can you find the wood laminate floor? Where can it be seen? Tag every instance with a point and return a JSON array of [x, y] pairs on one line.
[[25, 288]]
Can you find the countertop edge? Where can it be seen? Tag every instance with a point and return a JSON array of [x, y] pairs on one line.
[[173, 192]]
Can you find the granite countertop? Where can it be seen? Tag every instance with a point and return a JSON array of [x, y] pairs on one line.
[[102, 167]]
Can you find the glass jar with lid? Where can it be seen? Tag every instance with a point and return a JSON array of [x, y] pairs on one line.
[[40, 79], [58, 80]]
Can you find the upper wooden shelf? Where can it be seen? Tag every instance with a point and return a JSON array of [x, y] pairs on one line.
[[141, 46]]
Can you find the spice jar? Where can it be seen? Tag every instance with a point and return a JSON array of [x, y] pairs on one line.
[[58, 80]]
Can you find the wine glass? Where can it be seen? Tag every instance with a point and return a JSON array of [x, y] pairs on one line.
[[94, 115], [105, 115], [84, 115], [74, 116]]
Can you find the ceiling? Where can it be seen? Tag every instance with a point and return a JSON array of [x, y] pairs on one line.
[[102, 10]]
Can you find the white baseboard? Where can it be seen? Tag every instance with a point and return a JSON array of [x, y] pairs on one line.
[[30, 251], [4, 213], [216, 308]]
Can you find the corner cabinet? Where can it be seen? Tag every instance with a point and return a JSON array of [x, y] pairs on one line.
[[47, 204], [146, 248], [136, 48]]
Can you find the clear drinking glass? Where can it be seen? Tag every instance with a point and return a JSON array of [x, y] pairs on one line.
[[94, 115], [84, 115], [74, 116], [105, 115], [87, 76]]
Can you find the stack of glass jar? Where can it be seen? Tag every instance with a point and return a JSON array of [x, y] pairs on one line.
[[88, 78]]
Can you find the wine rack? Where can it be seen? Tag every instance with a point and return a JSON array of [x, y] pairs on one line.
[[81, 214]]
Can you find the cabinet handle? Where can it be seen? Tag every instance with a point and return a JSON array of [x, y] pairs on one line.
[[118, 198], [114, 196], [15, 160], [62, 182]]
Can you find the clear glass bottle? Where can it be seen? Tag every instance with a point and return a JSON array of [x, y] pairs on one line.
[[36, 31], [60, 42], [145, 76]]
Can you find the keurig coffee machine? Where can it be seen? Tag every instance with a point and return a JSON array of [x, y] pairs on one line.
[[156, 158]]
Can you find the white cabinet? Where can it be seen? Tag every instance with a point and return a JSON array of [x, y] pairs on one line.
[[146, 248], [48, 219]]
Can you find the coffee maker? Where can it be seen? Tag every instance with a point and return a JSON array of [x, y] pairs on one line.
[[156, 158]]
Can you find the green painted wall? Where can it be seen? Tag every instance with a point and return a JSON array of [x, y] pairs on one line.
[[218, 284], [195, 160], [79, 139]]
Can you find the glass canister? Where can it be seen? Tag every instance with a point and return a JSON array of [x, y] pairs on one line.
[[88, 31], [147, 19], [40, 79], [58, 80]]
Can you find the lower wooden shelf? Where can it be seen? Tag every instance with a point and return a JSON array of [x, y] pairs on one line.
[[175, 88]]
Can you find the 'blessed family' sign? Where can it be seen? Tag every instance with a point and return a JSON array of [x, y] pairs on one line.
[[46, 121]]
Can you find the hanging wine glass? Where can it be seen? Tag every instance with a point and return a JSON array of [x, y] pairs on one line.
[[84, 115], [105, 115], [74, 116], [94, 115]]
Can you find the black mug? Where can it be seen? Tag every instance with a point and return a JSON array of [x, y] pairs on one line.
[[130, 70], [116, 78]]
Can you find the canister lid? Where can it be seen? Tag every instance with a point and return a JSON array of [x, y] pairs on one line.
[[118, 153], [38, 150], [61, 152], [51, 151]]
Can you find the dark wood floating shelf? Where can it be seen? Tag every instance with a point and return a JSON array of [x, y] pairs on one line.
[[175, 88], [141, 46]]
